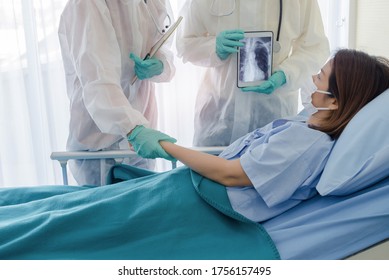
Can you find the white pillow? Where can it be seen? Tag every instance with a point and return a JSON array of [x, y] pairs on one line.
[[360, 156]]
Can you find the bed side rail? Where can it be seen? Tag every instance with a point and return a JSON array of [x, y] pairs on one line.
[[118, 155]]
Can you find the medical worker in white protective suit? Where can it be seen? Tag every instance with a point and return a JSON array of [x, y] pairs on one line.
[[209, 37], [103, 45]]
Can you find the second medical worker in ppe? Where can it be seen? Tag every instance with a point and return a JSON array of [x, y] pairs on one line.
[[209, 37], [103, 44]]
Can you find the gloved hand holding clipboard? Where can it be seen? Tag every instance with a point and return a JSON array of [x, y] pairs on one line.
[[160, 43]]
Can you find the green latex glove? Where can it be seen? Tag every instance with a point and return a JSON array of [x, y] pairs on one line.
[[227, 42], [145, 69], [275, 81], [145, 142]]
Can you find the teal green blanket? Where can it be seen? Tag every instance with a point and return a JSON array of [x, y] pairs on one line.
[[171, 215]]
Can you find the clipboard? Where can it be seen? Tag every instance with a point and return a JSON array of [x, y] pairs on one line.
[[160, 43]]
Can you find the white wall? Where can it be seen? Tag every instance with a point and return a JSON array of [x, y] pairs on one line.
[[372, 21]]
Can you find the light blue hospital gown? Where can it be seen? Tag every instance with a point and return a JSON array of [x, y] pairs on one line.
[[284, 161]]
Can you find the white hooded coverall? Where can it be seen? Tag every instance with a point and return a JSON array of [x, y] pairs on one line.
[[96, 39], [223, 112]]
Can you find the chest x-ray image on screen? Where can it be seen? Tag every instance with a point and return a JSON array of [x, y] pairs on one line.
[[255, 58]]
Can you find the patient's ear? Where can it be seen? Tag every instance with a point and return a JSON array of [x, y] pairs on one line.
[[334, 104]]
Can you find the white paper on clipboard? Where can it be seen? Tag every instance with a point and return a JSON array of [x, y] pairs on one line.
[[160, 42]]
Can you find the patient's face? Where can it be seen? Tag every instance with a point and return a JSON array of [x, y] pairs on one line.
[[321, 80], [321, 100]]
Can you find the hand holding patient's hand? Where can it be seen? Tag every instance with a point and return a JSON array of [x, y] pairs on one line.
[[145, 142]]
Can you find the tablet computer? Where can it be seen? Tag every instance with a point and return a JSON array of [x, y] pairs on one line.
[[255, 59]]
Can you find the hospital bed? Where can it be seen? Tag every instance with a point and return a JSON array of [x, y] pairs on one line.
[[354, 192], [351, 214], [378, 251]]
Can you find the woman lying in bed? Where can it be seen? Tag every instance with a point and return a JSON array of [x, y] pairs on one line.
[[275, 167], [188, 213]]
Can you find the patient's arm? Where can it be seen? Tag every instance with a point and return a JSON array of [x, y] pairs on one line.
[[226, 172]]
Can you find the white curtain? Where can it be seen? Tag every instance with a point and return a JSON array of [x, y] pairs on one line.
[[339, 22], [33, 101], [176, 99]]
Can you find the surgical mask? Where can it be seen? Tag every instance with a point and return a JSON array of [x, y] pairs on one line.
[[306, 98]]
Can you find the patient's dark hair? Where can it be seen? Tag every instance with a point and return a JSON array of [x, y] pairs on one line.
[[356, 79]]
